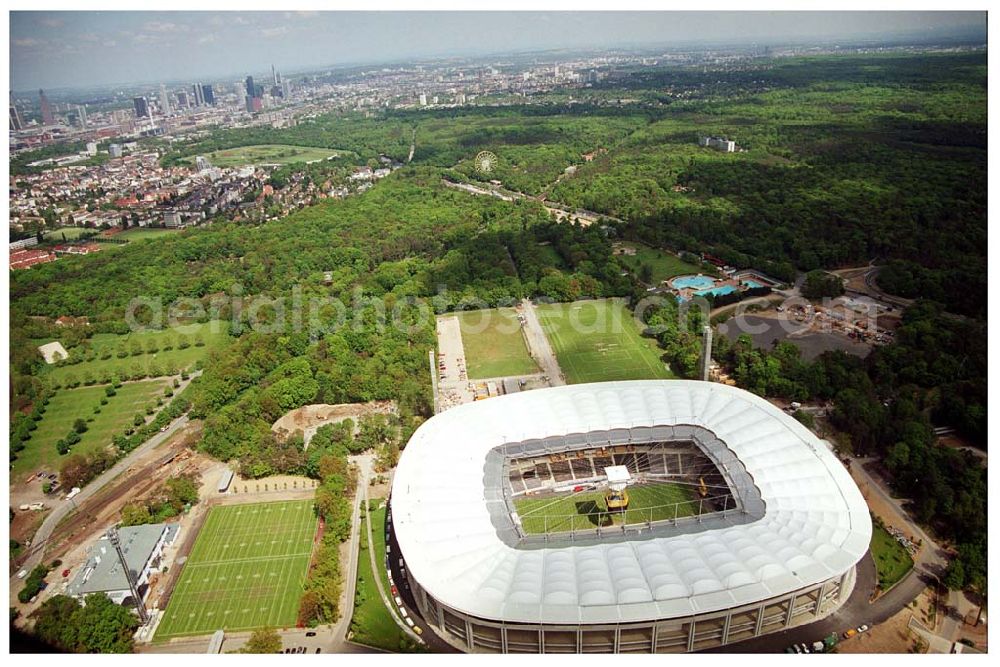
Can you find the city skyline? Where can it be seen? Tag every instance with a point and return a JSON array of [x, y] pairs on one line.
[[66, 49]]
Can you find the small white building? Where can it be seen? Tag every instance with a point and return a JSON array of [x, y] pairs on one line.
[[718, 143], [53, 352]]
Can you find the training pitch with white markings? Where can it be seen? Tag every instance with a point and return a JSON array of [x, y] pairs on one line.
[[246, 570]]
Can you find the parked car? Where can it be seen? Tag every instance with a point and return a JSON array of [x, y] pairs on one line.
[[863, 628], [318, 649], [22, 574], [65, 572]]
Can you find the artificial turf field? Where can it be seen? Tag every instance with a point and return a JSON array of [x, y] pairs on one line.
[[494, 345], [246, 570], [598, 341], [587, 510]]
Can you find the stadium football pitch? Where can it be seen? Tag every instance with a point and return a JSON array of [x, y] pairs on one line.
[[586, 510], [598, 341], [246, 570]]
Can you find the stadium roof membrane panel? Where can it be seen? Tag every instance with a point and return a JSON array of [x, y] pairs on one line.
[[815, 525]]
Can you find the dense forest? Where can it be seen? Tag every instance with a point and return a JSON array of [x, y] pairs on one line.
[[846, 160]]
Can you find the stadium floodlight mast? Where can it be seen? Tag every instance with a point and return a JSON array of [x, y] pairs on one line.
[[117, 544]]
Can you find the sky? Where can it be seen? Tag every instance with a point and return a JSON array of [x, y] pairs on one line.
[[84, 49]]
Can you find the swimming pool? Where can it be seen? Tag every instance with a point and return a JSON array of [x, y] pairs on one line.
[[716, 291], [752, 284], [695, 282]]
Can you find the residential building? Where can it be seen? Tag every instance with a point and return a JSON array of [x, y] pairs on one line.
[[23, 243]]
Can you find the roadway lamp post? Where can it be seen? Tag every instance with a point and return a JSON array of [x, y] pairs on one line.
[[116, 543]]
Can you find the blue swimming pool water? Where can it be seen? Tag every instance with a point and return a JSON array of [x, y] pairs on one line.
[[752, 284], [692, 281], [716, 291]]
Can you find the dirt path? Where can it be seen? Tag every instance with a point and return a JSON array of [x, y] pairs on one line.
[[538, 344]]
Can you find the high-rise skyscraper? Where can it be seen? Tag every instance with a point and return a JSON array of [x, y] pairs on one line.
[[81, 115], [275, 77], [141, 107], [182, 99], [43, 102], [15, 117], [253, 101], [197, 99], [240, 87], [164, 100], [208, 94]]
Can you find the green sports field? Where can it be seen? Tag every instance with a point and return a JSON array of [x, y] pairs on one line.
[[142, 233], [246, 570], [494, 345], [599, 341], [660, 501], [267, 154]]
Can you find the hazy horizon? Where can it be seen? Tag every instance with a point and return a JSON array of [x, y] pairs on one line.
[[92, 49]]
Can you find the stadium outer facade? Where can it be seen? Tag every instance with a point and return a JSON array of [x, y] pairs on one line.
[[785, 556]]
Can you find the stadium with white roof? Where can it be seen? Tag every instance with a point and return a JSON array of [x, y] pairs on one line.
[[777, 548]]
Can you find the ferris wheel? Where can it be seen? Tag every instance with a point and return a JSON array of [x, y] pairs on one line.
[[485, 161]]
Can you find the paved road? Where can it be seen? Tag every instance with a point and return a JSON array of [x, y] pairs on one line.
[[538, 344], [435, 644], [932, 558], [61, 510], [337, 638]]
